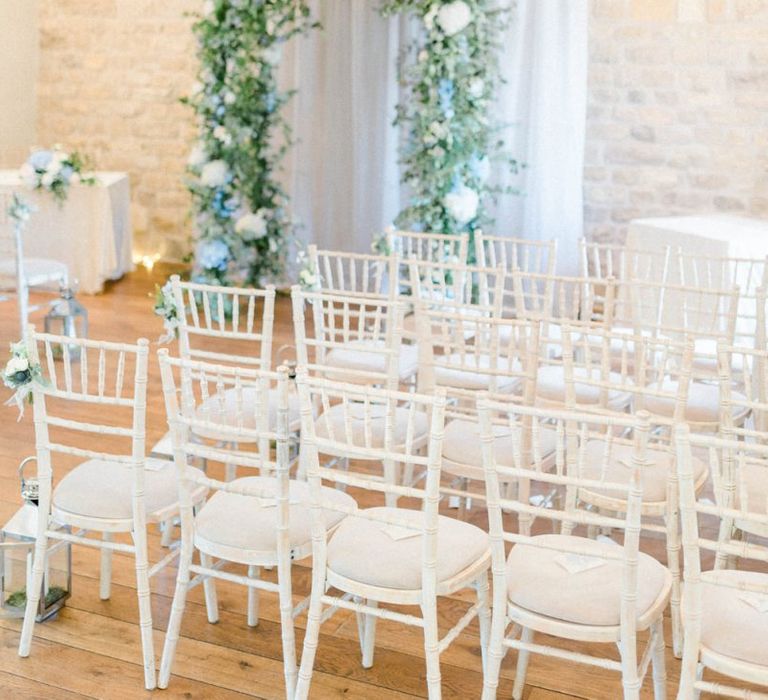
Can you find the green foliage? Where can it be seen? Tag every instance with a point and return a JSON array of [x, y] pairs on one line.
[[243, 227], [451, 74]]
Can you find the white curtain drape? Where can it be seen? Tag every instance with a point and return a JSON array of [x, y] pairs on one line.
[[342, 174]]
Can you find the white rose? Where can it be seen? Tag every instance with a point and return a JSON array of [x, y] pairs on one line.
[[197, 88], [229, 98], [476, 87], [47, 179], [462, 204], [16, 364], [197, 156], [272, 245], [429, 18], [272, 54], [454, 17], [252, 226], [222, 135], [214, 174], [307, 278]]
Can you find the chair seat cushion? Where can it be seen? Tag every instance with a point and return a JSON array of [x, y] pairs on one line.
[[550, 386], [465, 376], [703, 404], [617, 469], [538, 582], [462, 443], [248, 523], [38, 271], [101, 489], [354, 357], [705, 357], [361, 550], [227, 411], [334, 417], [731, 622]]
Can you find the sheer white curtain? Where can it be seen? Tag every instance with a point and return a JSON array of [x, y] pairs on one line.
[[343, 175]]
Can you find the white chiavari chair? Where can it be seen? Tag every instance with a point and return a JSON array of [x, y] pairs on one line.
[[724, 607], [354, 273], [743, 412], [386, 555], [116, 490], [713, 272], [19, 273], [515, 253], [566, 585], [256, 521], [358, 340]]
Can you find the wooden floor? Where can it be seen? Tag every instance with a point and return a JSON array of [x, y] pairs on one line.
[[92, 648]]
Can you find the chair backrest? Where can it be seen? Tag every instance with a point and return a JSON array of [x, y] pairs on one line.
[[369, 327], [516, 253], [743, 374], [714, 272], [567, 469], [229, 325], [105, 381], [449, 283], [429, 247], [363, 407], [738, 470], [354, 273], [202, 399], [604, 260], [677, 310]]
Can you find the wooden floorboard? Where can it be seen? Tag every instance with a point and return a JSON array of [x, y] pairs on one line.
[[92, 650]]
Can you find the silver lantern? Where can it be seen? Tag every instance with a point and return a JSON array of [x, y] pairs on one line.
[[68, 317]]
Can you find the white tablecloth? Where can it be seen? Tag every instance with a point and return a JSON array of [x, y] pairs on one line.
[[91, 232]]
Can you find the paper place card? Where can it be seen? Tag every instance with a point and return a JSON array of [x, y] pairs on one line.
[[755, 600], [396, 532], [578, 563]]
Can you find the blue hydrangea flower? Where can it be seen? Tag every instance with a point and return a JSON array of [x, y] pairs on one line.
[[213, 255], [445, 93], [39, 159]]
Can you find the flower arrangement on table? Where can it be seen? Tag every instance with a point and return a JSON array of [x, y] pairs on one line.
[[451, 72], [19, 374], [54, 170]]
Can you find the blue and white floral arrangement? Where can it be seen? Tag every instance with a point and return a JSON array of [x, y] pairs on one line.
[[19, 374], [165, 307], [55, 170]]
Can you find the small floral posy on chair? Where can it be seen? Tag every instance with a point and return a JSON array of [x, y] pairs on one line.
[[19, 373], [165, 307]]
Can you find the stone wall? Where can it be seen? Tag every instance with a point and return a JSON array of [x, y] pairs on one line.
[[111, 73], [678, 110]]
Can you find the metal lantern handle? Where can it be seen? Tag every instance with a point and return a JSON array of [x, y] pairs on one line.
[[30, 488], [284, 350]]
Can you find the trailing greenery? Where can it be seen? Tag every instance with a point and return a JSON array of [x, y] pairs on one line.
[[451, 74], [243, 227]]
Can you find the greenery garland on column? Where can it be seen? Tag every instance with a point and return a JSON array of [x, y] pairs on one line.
[[241, 217], [451, 73]]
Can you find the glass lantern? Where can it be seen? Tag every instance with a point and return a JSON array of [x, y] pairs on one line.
[[17, 548], [68, 317]]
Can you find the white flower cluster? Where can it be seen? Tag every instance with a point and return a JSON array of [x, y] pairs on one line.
[[19, 373], [53, 170], [165, 307], [308, 277]]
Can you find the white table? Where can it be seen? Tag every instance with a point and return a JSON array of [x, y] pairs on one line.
[[91, 231]]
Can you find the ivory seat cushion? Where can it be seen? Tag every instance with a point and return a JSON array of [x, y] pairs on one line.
[[38, 271], [537, 582], [248, 523], [331, 424], [465, 377], [360, 550], [550, 386], [703, 404], [227, 411], [101, 489], [705, 357], [730, 625], [617, 469], [353, 356], [462, 444]]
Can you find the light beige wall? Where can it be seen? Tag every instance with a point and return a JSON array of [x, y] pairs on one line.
[[678, 110], [111, 74], [18, 79]]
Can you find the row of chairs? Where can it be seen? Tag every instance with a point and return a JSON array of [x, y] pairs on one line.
[[357, 414]]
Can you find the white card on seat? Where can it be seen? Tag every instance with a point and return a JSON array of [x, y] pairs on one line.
[[755, 600], [576, 563], [396, 532]]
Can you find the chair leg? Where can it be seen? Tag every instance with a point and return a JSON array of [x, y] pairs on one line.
[[699, 676], [658, 662], [230, 472], [673, 563], [522, 664], [495, 653], [431, 648], [287, 631], [179, 597], [312, 634], [690, 669], [484, 616], [629, 679], [209, 589], [369, 635], [145, 605], [253, 598], [105, 572]]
